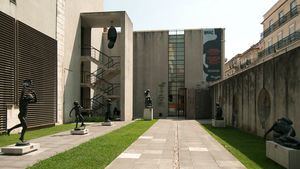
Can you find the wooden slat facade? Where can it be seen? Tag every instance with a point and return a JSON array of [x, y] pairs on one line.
[[37, 60], [7, 65]]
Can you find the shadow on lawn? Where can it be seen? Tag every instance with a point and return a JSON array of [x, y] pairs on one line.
[[246, 145]]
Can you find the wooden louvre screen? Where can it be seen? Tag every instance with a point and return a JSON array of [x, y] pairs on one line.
[[7, 66], [37, 60]]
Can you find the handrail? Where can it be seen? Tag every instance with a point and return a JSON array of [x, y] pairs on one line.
[[287, 17], [95, 53], [280, 44]]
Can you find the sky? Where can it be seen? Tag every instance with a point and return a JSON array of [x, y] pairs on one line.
[[240, 18]]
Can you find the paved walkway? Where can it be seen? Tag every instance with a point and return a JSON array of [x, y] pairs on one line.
[[57, 143], [176, 144]]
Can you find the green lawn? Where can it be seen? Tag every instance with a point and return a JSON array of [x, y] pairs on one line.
[[248, 148], [98, 152], [13, 138]]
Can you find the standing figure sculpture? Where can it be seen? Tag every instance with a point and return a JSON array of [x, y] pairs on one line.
[[148, 101], [219, 112], [284, 134], [107, 115], [78, 115], [27, 96]]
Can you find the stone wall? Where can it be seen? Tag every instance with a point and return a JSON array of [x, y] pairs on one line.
[[254, 99]]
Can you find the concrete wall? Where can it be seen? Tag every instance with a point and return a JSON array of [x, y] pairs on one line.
[[151, 71], [240, 95], [127, 74], [72, 50], [32, 13], [194, 59]]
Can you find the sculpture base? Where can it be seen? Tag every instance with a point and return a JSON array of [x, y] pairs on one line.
[[25, 143], [79, 132], [148, 114], [287, 157], [20, 150], [107, 123], [218, 123]]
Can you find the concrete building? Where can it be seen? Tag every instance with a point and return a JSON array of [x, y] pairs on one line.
[[54, 37], [175, 65], [281, 28], [62, 46]]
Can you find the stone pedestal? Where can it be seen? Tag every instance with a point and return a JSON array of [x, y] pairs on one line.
[[218, 123], [79, 132], [287, 157], [148, 114], [108, 123], [20, 150]]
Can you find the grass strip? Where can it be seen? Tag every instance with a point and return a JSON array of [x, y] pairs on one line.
[[248, 148], [13, 138], [98, 152]]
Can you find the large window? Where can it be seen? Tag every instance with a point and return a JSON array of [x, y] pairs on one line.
[[293, 8], [281, 17], [176, 69]]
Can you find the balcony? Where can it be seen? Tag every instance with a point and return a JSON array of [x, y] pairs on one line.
[[280, 44], [287, 17]]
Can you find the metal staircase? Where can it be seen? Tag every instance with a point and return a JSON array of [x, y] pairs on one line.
[[99, 80]]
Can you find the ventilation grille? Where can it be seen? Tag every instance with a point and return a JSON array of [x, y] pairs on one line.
[[7, 65], [37, 60]]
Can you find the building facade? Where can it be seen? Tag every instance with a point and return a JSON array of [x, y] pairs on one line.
[[47, 43], [255, 98], [242, 61], [281, 27], [175, 65]]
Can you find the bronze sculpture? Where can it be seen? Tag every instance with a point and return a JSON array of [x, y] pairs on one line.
[[111, 36], [284, 134], [107, 115], [27, 96], [148, 101], [219, 112], [78, 115]]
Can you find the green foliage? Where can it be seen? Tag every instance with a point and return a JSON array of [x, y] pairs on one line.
[[248, 148], [98, 152], [13, 138]]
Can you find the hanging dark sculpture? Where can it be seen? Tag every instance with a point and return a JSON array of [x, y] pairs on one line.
[[112, 37]]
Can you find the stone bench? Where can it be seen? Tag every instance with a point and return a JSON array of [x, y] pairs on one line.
[[287, 157]]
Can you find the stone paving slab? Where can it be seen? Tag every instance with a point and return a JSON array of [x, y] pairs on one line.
[[54, 144], [174, 144]]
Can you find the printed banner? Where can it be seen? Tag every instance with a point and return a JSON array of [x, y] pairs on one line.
[[212, 54]]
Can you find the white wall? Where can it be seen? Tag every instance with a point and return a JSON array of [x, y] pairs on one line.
[[39, 14], [72, 50]]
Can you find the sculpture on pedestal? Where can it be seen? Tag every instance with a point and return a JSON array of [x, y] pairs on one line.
[[219, 112], [284, 134], [27, 96], [78, 115], [107, 115], [148, 101]]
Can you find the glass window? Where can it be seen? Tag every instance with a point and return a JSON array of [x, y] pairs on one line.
[[13, 1], [281, 17], [270, 22], [270, 42], [293, 5]]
